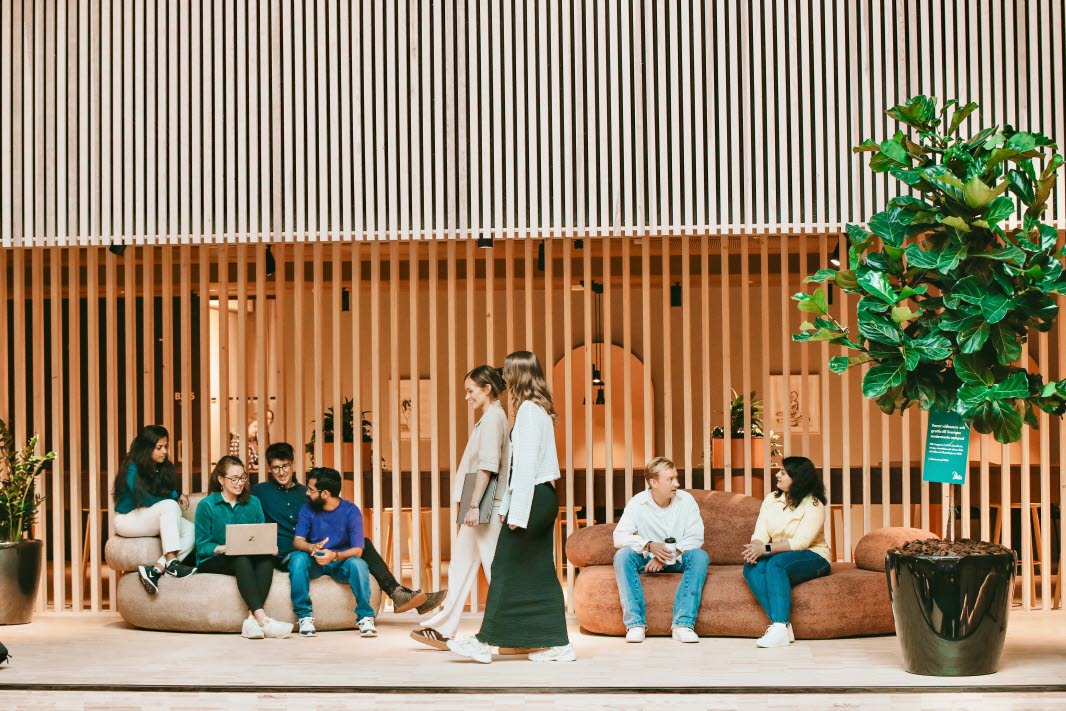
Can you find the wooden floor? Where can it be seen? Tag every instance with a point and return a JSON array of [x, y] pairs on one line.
[[97, 661]]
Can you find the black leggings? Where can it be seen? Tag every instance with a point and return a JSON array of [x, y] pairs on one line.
[[254, 574]]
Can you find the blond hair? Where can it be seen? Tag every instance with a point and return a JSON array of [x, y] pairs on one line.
[[656, 468], [525, 381]]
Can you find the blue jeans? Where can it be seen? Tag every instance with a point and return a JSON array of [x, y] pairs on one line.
[[772, 578], [354, 571], [628, 565]]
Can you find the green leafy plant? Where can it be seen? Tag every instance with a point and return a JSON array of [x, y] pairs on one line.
[[348, 430], [19, 501], [737, 407], [951, 279]]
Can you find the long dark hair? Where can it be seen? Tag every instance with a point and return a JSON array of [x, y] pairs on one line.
[[805, 482], [152, 478], [220, 471]]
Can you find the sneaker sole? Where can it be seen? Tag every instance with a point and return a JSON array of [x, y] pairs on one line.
[[423, 611], [566, 658], [419, 599], [368, 635], [149, 587], [309, 634], [429, 642], [189, 574]]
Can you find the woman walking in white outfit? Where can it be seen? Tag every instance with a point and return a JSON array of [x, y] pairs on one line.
[[487, 452]]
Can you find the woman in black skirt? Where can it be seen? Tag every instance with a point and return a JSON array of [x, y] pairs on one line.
[[525, 605]]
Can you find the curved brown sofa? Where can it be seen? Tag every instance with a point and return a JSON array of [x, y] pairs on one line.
[[210, 603], [852, 600]]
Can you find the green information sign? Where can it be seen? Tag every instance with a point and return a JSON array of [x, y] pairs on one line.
[[947, 446]]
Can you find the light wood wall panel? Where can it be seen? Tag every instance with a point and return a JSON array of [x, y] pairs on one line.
[[126, 121], [421, 312]]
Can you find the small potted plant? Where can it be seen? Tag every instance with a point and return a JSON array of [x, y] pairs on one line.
[[739, 454], [951, 280], [21, 558], [347, 438]]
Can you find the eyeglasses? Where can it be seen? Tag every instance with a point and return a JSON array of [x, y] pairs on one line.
[[282, 468], [236, 479]]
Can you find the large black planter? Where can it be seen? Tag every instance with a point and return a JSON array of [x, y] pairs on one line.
[[20, 572], [951, 611]]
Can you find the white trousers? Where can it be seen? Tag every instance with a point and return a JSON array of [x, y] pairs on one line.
[[162, 519], [474, 546]]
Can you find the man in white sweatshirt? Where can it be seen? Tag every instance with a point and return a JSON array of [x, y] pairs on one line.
[[660, 531]]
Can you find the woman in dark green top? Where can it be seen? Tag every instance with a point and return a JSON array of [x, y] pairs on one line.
[[231, 502], [148, 503]]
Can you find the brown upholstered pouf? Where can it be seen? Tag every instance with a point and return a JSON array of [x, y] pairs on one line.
[[846, 603], [870, 551]]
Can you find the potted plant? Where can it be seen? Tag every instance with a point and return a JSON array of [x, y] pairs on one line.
[[951, 280], [739, 454], [347, 438], [21, 558]]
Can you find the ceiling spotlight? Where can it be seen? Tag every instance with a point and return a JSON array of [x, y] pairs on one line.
[[484, 242], [117, 249], [597, 378], [271, 264], [675, 294], [599, 397], [834, 258]]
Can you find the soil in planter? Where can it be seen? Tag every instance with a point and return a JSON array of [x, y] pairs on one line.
[[961, 547]]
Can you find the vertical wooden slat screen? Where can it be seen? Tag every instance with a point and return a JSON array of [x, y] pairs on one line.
[[86, 300], [622, 131]]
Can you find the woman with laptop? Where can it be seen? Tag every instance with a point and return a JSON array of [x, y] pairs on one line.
[[480, 495], [148, 502], [525, 605], [231, 504]]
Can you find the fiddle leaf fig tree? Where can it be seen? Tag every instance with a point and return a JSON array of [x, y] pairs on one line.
[[953, 278]]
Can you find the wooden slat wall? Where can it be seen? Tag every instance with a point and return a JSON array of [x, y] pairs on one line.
[[322, 121], [435, 311]]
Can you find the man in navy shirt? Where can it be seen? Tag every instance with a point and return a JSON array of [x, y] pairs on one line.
[[282, 498], [329, 541]]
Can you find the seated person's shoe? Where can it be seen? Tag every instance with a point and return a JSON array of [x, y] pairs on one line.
[[277, 629], [471, 648], [403, 599], [433, 601], [150, 576], [791, 634], [776, 636], [554, 654], [367, 628], [685, 634], [307, 627], [430, 637], [251, 629], [177, 569], [635, 635]]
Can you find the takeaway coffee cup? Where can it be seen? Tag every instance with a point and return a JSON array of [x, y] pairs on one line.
[[671, 545]]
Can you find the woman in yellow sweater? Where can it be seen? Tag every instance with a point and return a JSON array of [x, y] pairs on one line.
[[788, 546]]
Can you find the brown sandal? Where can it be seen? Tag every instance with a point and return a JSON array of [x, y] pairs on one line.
[[430, 637]]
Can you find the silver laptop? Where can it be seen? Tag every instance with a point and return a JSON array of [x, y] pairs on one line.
[[252, 539]]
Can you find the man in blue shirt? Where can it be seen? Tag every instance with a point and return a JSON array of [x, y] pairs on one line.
[[329, 541], [283, 497]]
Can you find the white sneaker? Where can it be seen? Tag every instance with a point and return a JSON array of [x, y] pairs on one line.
[[307, 626], [471, 648], [277, 629], [367, 628], [791, 633], [251, 629], [635, 635], [554, 654], [685, 634], [776, 636]]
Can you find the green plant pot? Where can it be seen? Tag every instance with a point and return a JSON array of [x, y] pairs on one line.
[[20, 573], [950, 611]]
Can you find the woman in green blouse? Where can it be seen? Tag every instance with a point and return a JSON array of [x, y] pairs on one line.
[[231, 501]]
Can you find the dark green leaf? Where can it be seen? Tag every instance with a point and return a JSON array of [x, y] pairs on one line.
[[911, 204], [998, 417], [941, 177], [880, 378], [1021, 185], [868, 145], [973, 370], [972, 340], [1009, 253], [1006, 344], [891, 225], [838, 364], [894, 150], [821, 276], [913, 178], [919, 112], [1016, 385], [881, 331], [911, 358], [877, 284], [959, 116], [815, 303], [931, 347], [1049, 236], [918, 258], [998, 210], [995, 306], [950, 256]]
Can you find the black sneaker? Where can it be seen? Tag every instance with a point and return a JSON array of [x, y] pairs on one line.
[[433, 601], [403, 599], [150, 576], [177, 569]]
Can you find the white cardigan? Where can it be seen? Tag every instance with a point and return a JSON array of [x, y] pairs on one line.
[[534, 460]]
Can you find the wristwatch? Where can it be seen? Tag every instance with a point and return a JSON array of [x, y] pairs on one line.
[[767, 547]]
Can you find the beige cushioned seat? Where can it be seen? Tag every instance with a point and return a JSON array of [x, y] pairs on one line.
[[211, 603]]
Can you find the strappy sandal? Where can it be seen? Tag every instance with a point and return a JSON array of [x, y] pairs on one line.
[[430, 637]]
